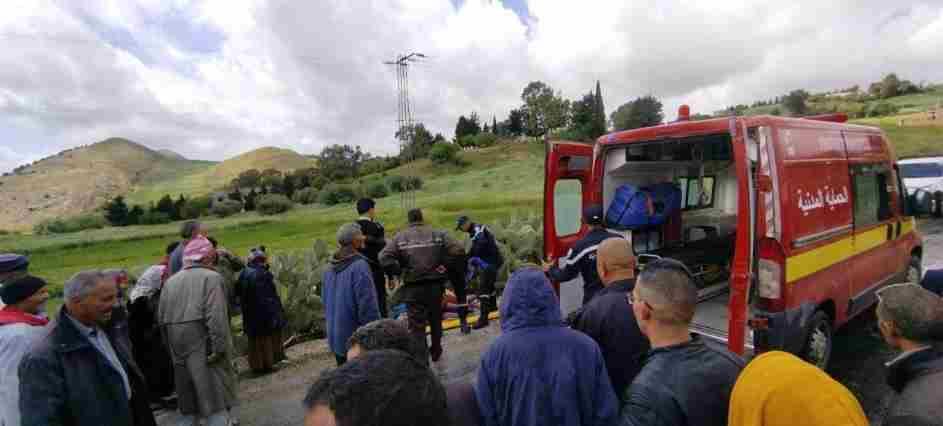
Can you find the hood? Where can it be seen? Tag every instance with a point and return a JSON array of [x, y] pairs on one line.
[[529, 301], [344, 258], [778, 388]]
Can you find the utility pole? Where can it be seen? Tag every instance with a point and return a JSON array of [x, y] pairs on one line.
[[405, 131]]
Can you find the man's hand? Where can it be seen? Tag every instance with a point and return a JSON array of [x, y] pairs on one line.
[[547, 264]]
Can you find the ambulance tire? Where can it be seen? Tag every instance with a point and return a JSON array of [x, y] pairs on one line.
[[938, 204], [817, 349], [915, 270]]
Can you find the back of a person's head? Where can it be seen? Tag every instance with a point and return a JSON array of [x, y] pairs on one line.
[[529, 301], [385, 387], [667, 286], [616, 254], [385, 334], [917, 313], [779, 389], [189, 228], [414, 216], [364, 205]]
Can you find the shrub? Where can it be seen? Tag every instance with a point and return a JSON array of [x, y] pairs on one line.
[[377, 190], [71, 224], [306, 196], [154, 217], [196, 207], [396, 183], [299, 277], [881, 109], [444, 153], [414, 182], [226, 208], [337, 194], [273, 204]]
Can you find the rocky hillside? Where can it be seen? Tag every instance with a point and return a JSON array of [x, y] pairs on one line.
[[79, 180]]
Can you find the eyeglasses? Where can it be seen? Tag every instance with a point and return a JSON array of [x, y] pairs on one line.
[[630, 299]]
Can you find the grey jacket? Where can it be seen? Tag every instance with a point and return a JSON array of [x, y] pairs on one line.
[[917, 378], [416, 253]]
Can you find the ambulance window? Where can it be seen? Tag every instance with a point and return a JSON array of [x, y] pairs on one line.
[[567, 206], [872, 199]]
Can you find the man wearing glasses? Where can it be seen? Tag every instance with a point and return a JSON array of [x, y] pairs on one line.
[[684, 380]]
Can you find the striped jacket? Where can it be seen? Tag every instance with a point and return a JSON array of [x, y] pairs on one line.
[[581, 260]]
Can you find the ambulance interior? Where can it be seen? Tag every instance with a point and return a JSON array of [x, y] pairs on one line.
[[700, 232]]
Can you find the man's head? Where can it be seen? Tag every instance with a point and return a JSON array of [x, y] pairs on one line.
[[26, 294], [90, 297], [191, 229], [463, 223], [350, 235], [380, 335], [615, 260], [366, 206], [909, 315], [593, 216], [414, 216], [385, 387], [12, 266], [199, 251], [664, 298]]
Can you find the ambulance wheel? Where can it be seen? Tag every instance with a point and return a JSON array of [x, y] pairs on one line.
[[817, 349], [914, 270], [938, 204]]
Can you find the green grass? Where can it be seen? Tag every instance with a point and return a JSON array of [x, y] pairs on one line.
[[909, 141], [514, 174]]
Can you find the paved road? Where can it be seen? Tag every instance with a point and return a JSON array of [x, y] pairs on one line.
[[276, 399]]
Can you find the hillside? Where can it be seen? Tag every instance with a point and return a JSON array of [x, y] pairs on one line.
[[171, 154], [79, 180], [204, 180]]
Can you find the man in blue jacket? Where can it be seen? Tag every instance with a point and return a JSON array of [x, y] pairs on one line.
[[484, 247], [581, 258], [538, 372], [350, 299]]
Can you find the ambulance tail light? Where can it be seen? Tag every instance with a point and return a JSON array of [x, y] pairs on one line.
[[769, 279]]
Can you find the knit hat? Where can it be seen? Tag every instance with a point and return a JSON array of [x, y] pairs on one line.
[[196, 250], [461, 221], [10, 262], [21, 289], [347, 233]]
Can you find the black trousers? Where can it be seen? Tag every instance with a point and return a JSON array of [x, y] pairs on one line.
[[341, 360], [424, 308], [487, 280], [379, 283]]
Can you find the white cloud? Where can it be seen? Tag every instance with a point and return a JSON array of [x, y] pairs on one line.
[[214, 78]]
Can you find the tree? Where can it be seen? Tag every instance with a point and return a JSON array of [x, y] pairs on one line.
[[444, 153], [135, 214], [340, 162], [642, 112], [179, 206], [890, 86], [494, 125], [289, 185], [515, 126], [235, 195], [776, 111], [116, 212], [583, 117], [795, 102], [467, 126], [598, 127], [250, 200], [543, 109], [166, 205], [250, 178], [420, 144]]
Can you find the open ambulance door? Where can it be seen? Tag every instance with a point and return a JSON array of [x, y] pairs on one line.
[[567, 174]]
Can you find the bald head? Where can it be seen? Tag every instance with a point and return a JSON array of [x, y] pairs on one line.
[[615, 260]]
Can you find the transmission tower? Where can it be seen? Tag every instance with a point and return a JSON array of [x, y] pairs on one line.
[[405, 130]]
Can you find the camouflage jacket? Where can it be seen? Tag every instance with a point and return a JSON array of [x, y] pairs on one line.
[[420, 253]]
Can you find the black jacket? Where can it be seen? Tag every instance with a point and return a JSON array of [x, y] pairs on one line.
[[918, 380], [683, 385], [581, 260], [376, 240], [484, 246], [262, 310], [609, 320], [64, 381]]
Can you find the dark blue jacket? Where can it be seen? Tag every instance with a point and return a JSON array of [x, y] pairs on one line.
[[581, 260], [609, 320], [538, 372], [933, 281], [65, 381], [683, 385], [484, 246], [350, 300], [262, 310]]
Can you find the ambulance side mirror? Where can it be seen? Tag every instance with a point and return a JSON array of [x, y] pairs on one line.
[[920, 202]]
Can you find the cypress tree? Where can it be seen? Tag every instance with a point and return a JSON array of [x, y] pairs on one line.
[[599, 119]]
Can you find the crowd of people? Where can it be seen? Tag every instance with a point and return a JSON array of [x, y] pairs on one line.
[[113, 356], [626, 357]]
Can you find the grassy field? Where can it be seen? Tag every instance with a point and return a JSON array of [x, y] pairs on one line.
[[917, 138], [498, 182]]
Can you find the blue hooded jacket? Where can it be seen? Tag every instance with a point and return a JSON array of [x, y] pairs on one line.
[[538, 372], [350, 300]]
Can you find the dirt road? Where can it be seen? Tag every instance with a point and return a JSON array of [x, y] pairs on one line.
[[276, 399]]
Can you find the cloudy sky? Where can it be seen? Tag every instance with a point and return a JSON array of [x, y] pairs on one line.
[[211, 79]]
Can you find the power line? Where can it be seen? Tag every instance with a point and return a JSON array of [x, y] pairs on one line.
[[405, 132]]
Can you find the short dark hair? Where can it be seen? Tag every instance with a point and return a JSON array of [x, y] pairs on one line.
[[385, 334], [395, 388], [171, 248], [667, 285], [213, 241], [365, 204], [414, 216], [189, 228]]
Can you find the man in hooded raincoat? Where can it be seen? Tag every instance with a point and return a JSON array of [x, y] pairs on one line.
[[538, 372]]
